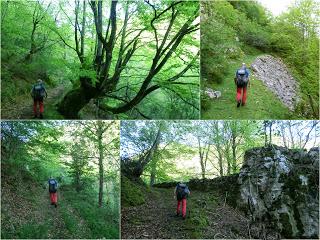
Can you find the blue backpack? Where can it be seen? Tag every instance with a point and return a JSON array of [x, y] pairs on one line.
[[53, 185], [182, 191], [242, 79], [38, 91]]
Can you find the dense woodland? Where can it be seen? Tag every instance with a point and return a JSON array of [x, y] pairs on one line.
[[208, 156], [121, 59], [233, 32], [82, 157]]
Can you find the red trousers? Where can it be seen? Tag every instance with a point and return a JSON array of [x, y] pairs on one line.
[[184, 206], [54, 197], [35, 104], [242, 90]]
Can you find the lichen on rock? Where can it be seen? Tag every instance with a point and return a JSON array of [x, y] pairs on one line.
[[277, 77], [282, 186]]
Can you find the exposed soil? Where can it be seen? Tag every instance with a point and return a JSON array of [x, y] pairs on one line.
[[208, 217]]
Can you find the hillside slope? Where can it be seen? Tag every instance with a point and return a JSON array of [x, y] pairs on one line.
[[23, 106], [208, 217], [27, 213], [233, 32], [262, 103]]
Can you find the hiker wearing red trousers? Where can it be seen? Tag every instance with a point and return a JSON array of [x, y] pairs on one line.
[[38, 93], [53, 186], [242, 80], [181, 193]]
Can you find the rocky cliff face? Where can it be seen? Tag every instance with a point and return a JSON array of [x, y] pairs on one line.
[[276, 76], [282, 187]]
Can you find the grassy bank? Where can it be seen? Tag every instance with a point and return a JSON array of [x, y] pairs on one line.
[[261, 102]]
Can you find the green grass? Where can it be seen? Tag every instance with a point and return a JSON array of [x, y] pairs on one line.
[[51, 112], [102, 222], [197, 218], [33, 230], [69, 221], [261, 102], [132, 194]]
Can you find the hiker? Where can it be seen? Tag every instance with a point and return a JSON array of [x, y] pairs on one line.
[[181, 192], [38, 93], [53, 186], [242, 80]]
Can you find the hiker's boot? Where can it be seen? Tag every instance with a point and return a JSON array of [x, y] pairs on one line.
[[242, 104], [41, 116], [183, 217], [35, 116], [238, 104], [177, 214], [55, 205]]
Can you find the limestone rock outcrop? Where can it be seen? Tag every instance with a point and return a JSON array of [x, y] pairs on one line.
[[277, 77], [282, 187]]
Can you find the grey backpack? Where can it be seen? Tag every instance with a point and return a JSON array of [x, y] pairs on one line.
[[242, 79], [38, 91]]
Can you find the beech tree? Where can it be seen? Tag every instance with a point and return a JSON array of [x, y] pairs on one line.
[[96, 131], [145, 147], [127, 39]]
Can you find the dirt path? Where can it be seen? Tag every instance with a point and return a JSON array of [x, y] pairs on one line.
[[56, 224], [154, 219], [208, 217], [63, 222], [25, 109]]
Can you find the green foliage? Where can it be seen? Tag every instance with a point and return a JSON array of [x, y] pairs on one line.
[[47, 62], [259, 99], [32, 151], [39, 42], [240, 26], [225, 26], [197, 212], [296, 39], [132, 193], [102, 222], [32, 230]]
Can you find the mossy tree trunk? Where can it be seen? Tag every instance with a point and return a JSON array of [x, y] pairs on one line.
[[106, 46]]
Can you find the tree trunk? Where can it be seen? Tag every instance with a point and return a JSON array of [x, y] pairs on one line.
[[134, 169], [78, 187], [73, 102], [153, 174], [265, 133], [76, 99], [270, 133], [83, 32], [28, 57], [101, 170], [234, 157], [201, 157], [220, 160], [283, 133]]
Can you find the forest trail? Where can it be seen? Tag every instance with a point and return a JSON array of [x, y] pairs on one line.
[[154, 219], [208, 217], [32, 216], [23, 109], [63, 222], [262, 103]]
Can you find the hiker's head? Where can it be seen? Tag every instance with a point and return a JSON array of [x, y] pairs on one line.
[[243, 65], [39, 81]]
